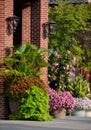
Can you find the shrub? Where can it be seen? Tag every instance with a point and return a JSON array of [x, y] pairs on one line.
[[78, 87], [26, 60], [16, 88], [35, 105], [20, 69], [89, 96]]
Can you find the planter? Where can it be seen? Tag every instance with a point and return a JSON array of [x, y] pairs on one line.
[[14, 106], [78, 113], [59, 114], [88, 113]]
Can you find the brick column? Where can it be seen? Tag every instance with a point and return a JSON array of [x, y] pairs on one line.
[[26, 22], [2, 30], [44, 42], [6, 10], [39, 15], [35, 22]]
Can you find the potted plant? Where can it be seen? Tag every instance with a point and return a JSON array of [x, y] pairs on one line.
[[78, 87], [23, 71], [34, 105], [60, 102], [81, 105]]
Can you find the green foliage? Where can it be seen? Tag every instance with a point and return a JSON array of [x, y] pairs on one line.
[[77, 52], [61, 65], [78, 87], [72, 32], [23, 70], [72, 21], [89, 96], [35, 105], [26, 60]]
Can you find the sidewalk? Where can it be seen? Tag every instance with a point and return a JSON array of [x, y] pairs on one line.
[[69, 123]]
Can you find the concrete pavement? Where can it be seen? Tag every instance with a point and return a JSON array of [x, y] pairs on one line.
[[69, 123]]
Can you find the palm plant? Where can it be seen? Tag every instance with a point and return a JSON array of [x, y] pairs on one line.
[[25, 61]]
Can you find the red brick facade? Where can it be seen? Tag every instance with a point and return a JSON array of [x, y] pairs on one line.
[[33, 15], [6, 10], [26, 22]]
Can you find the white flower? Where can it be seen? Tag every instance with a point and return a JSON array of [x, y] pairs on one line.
[[83, 103]]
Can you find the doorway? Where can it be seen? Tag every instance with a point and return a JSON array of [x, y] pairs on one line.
[[17, 35]]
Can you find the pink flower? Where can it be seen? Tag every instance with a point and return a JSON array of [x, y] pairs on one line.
[[54, 78], [55, 64], [49, 75], [61, 100], [66, 67], [71, 74], [68, 51], [74, 60]]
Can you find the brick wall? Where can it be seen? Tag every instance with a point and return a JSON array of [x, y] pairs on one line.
[[34, 14], [35, 22], [44, 42], [3, 107], [2, 26], [6, 10], [26, 22], [8, 13], [39, 15]]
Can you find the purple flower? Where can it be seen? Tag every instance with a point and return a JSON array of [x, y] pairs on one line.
[[60, 100]]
